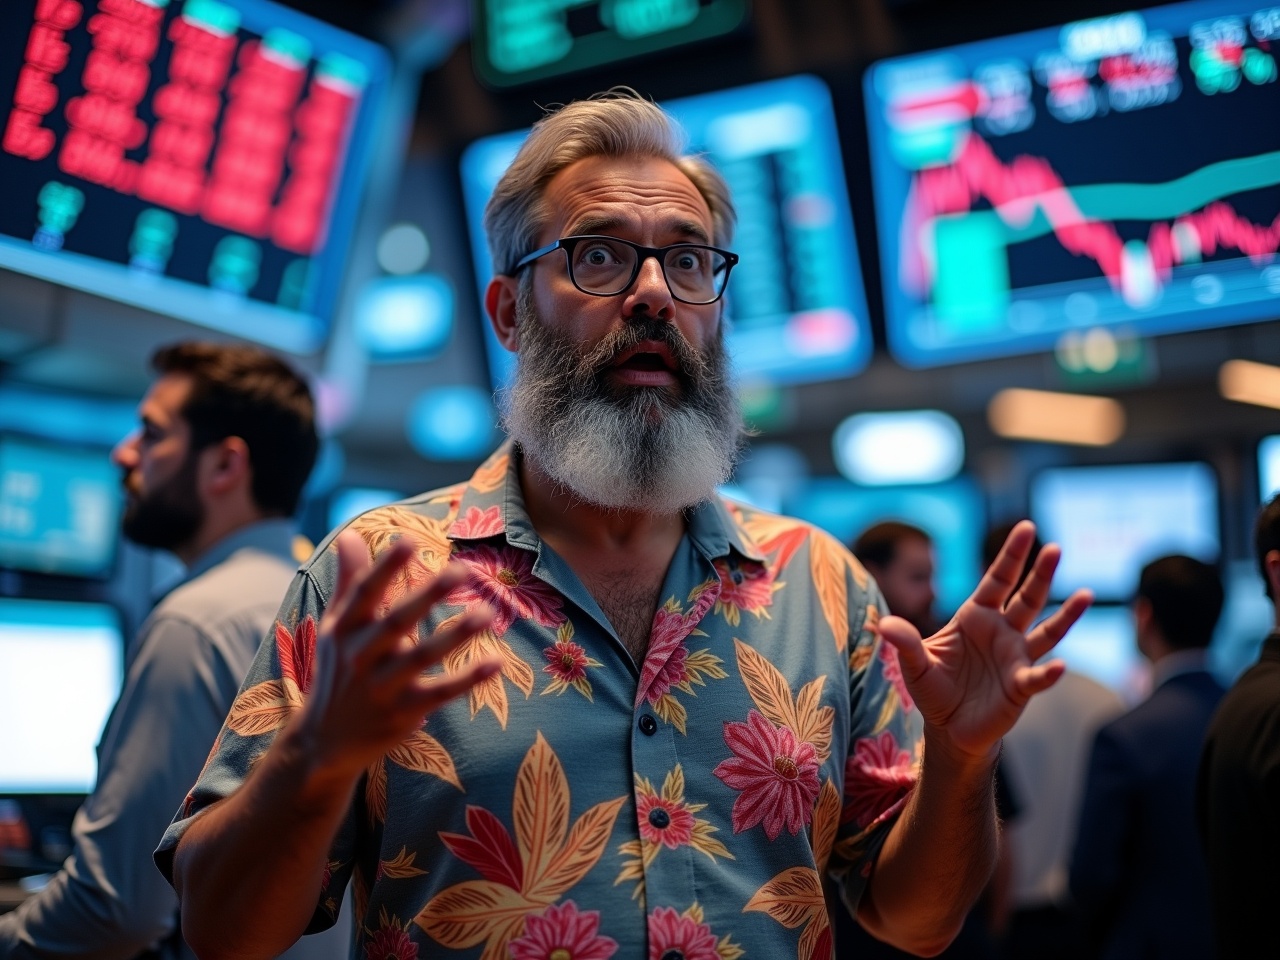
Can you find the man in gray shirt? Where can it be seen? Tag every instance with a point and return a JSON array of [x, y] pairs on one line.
[[214, 473]]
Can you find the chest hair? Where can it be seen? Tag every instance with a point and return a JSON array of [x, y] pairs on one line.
[[629, 601]]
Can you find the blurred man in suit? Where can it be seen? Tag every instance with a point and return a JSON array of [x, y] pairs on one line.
[[1238, 796], [900, 557], [1137, 872]]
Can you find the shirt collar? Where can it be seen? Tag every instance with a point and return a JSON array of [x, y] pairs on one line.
[[274, 535], [1177, 663], [492, 504]]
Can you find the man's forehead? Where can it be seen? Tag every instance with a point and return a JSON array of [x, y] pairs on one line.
[[165, 398], [622, 191]]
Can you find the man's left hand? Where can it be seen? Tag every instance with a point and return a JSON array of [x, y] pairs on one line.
[[973, 677]]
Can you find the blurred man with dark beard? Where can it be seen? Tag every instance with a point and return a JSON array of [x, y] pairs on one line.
[[581, 705], [213, 475]]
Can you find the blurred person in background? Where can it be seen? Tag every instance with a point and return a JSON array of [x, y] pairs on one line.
[[1137, 872], [214, 473], [652, 719], [1044, 757], [900, 557], [1238, 794]]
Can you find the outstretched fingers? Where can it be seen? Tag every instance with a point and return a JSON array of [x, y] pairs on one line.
[[913, 658], [1036, 679], [1053, 628], [1002, 576], [1030, 598]]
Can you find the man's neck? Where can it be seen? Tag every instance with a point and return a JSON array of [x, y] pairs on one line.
[[560, 516], [213, 531]]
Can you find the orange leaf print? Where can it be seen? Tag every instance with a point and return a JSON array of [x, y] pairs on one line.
[[585, 845], [767, 686], [474, 911], [492, 473], [826, 822], [774, 534], [423, 753], [401, 866], [383, 527], [793, 898], [828, 562], [515, 669], [815, 942], [264, 708], [540, 810], [814, 722], [375, 792]]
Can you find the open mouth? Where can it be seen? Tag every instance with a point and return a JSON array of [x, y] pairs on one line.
[[649, 356]]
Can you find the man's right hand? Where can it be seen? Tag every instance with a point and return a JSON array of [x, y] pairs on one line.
[[370, 691]]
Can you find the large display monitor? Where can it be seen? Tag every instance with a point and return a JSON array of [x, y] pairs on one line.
[[1268, 467], [1120, 172], [199, 158], [59, 508], [1102, 645], [796, 299], [61, 667], [1112, 520], [952, 513]]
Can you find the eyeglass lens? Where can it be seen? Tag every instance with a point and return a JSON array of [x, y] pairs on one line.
[[602, 266]]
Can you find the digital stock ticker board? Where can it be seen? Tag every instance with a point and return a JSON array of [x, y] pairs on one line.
[[199, 158], [1121, 172]]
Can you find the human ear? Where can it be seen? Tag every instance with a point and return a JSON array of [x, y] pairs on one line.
[[500, 301]]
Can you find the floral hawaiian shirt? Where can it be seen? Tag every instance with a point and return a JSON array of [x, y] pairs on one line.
[[579, 805]]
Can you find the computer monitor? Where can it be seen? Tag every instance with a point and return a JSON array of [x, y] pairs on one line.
[[59, 508], [1268, 467], [61, 668], [1112, 520], [1116, 172], [203, 160], [952, 513], [349, 502]]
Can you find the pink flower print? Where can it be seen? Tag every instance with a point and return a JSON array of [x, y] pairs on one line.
[[776, 774], [566, 661], [877, 779], [663, 821], [563, 933], [669, 931], [390, 942], [892, 671], [748, 586], [664, 663], [503, 578], [477, 524]]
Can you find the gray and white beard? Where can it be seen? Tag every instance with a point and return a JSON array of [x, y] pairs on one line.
[[646, 449]]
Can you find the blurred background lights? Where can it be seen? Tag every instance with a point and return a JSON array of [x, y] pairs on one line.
[[405, 318], [66, 418], [403, 249], [1246, 381], [1056, 417], [452, 423], [910, 446], [1269, 467], [331, 463]]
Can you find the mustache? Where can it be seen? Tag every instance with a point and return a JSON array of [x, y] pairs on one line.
[[692, 366]]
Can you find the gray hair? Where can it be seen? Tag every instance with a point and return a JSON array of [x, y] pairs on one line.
[[617, 123]]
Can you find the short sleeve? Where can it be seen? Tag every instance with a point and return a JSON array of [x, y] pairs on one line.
[[273, 691], [885, 739]]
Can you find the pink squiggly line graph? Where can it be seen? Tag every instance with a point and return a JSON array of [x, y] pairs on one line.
[[1017, 188]]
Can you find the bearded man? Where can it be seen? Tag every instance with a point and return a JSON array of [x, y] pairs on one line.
[[581, 706], [213, 475]]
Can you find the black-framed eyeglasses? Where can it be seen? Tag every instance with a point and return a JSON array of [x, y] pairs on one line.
[[606, 266]]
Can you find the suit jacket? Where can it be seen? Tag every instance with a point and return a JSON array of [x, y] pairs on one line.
[[1238, 802], [1137, 872]]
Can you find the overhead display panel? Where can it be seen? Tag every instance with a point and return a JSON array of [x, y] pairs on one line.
[[199, 158], [1117, 172], [796, 302], [518, 41]]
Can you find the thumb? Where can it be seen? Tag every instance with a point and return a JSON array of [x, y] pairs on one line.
[[906, 639]]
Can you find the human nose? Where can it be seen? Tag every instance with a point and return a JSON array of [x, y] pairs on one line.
[[125, 453], [650, 293]]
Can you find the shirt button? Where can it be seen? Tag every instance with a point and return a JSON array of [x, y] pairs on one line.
[[648, 725], [659, 818], [673, 955]]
